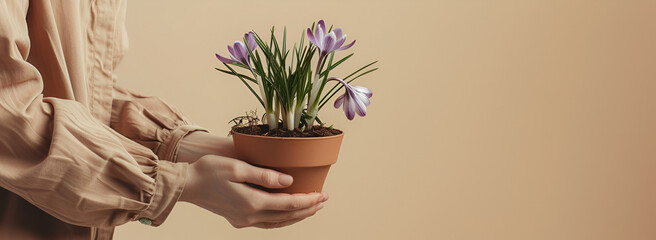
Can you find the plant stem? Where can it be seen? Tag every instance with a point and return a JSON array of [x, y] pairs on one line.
[[289, 118], [314, 93], [272, 117], [272, 121], [312, 114], [297, 114], [278, 107]]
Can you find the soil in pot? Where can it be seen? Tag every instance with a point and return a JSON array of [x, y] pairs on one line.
[[263, 130]]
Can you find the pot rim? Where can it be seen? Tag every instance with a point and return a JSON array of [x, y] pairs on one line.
[[288, 138]]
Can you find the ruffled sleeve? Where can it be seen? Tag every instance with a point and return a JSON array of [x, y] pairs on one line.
[[57, 156], [151, 122]]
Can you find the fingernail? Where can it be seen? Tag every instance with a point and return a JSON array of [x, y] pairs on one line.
[[285, 180], [320, 206]]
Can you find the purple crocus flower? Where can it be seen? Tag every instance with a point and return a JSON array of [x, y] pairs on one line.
[[239, 52], [328, 42], [355, 99]]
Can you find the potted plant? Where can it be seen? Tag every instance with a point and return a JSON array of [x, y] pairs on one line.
[[291, 92]]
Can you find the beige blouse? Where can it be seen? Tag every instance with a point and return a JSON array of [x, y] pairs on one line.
[[78, 154]]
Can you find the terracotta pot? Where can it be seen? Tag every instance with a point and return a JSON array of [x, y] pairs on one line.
[[306, 159]]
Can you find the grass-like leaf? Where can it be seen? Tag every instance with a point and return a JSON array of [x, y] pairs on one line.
[[333, 66], [238, 74]]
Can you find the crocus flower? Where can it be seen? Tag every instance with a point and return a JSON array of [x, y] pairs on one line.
[[239, 52], [355, 99], [328, 42]]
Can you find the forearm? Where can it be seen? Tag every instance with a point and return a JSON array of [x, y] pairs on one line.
[[198, 144], [151, 122]]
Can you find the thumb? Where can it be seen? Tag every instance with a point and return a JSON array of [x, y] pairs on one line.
[[267, 178]]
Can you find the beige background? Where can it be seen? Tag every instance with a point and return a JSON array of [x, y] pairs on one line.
[[490, 119]]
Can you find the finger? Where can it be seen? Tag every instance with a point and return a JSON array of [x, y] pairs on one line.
[[289, 202], [268, 178], [270, 225], [325, 196], [281, 216]]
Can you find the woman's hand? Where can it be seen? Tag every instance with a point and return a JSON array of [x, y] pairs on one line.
[[218, 184]]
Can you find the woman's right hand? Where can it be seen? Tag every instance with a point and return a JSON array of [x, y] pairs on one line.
[[218, 184]]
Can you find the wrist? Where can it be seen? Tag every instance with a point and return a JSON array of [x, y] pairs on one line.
[[187, 193], [198, 144]]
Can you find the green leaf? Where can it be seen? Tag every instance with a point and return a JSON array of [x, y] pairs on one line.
[[284, 41], [362, 68], [333, 66], [238, 74]]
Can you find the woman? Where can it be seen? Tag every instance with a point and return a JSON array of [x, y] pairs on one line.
[[80, 155]]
